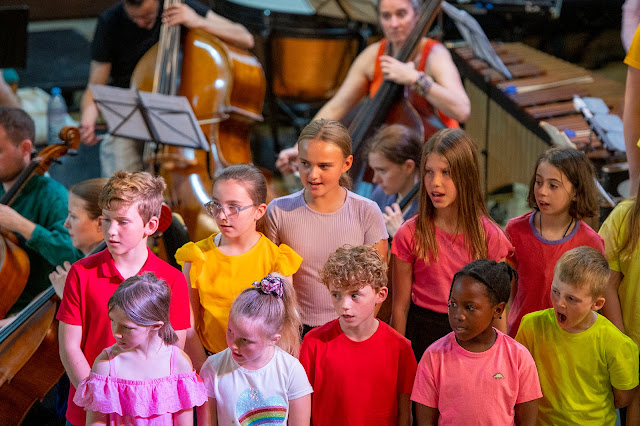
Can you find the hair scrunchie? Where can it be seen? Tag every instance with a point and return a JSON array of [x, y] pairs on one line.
[[270, 285]]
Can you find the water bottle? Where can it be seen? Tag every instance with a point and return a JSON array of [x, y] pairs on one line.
[[56, 115]]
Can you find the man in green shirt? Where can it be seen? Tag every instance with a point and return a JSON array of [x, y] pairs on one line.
[[37, 214]]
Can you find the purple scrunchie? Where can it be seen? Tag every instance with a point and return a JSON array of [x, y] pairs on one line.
[[270, 285]]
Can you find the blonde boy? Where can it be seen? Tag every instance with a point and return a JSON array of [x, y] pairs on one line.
[[130, 205], [587, 367], [361, 369]]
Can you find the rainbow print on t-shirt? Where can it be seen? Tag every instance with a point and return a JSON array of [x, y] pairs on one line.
[[253, 409]]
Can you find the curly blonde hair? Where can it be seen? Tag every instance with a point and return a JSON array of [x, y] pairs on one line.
[[353, 267]]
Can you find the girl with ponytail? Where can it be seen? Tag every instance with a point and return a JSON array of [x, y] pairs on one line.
[[143, 377], [258, 375]]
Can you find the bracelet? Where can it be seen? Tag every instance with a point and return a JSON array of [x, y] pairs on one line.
[[422, 85]]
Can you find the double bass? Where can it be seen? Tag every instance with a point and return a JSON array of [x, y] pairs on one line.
[[390, 104], [29, 357], [226, 87]]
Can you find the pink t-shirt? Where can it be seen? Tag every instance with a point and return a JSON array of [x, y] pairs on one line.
[[534, 258], [479, 388], [357, 383], [90, 284], [431, 283]]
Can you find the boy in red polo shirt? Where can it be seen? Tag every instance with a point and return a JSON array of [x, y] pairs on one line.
[[130, 205]]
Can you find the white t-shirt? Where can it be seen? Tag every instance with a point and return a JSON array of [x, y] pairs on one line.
[[243, 396]]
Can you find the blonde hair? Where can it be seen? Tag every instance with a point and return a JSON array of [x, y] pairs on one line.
[[584, 266], [461, 154], [146, 299], [126, 189], [276, 314], [333, 132], [353, 267]]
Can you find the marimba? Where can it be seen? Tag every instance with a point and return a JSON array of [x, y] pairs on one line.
[[506, 114]]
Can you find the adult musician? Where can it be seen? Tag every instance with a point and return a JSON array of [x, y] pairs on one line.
[[124, 34], [37, 215], [431, 76]]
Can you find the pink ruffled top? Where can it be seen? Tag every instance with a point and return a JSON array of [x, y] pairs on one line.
[[140, 402]]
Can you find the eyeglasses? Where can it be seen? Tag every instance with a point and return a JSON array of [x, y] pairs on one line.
[[214, 209]]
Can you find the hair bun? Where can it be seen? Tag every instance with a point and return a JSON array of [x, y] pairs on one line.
[[270, 284]]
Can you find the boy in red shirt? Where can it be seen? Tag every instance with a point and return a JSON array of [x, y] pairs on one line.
[[130, 205], [361, 369]]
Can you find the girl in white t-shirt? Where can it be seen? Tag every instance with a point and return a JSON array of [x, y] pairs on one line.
[[258, 374]]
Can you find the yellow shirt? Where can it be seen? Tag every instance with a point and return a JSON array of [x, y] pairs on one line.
[[614, 230], [219, 279], [577, 370]]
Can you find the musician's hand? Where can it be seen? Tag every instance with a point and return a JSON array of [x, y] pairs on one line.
[[398, 72], [393, 218], [58, 278], [286, 160], [15, 222], [181, 14], [88, 133]]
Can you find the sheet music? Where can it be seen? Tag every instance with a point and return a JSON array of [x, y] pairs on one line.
[[475, 37], [171, 117]]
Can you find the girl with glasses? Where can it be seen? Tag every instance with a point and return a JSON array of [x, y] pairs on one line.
[[220, 267]]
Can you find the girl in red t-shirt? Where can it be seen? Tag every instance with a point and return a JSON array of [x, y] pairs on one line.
[[562, 191]]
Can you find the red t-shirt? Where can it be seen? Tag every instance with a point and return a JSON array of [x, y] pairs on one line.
[[357, 382], [534, 258], [90, 284]]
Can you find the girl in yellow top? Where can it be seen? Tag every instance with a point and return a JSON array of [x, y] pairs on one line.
[[221, 266]]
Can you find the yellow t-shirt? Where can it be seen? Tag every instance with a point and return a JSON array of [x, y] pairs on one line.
[[614, 230], [219, 279], [577, 370], [633, 55]]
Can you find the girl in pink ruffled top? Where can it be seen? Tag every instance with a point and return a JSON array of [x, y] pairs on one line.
[[144, 379]]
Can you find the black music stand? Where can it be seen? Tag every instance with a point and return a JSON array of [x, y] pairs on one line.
[[473, 34], [147, 116]]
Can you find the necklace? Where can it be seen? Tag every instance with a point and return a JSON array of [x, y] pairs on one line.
[[565, 231]]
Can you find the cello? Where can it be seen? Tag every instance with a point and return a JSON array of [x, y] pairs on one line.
[[390, 103], [29, 343], [225, 87]]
